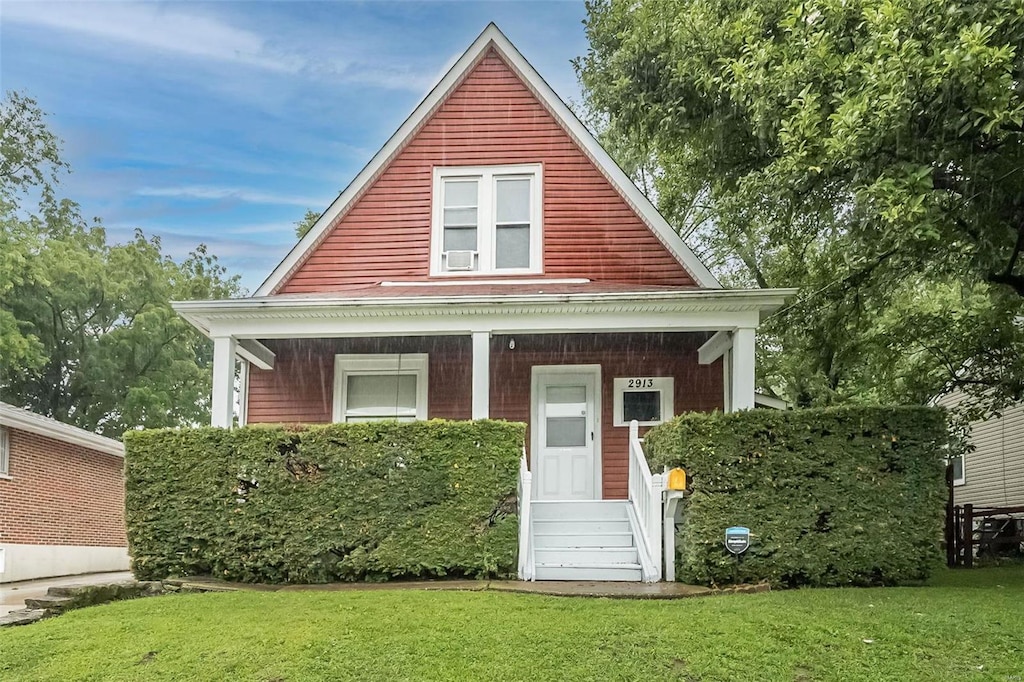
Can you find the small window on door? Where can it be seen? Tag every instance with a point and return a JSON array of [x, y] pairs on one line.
[[377, 387], [648, 400]]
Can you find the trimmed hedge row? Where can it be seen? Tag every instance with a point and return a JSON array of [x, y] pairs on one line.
[[837, 496], [368, 501]]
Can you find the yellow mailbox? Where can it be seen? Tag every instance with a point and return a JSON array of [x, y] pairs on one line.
[[677, 479]]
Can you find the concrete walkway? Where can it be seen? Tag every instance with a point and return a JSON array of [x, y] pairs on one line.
[[13, 595], [558, 588]]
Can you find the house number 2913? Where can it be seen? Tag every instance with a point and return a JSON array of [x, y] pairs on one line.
[[640, 383]]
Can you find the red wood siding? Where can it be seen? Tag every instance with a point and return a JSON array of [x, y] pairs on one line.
[[697, 387], [300, 387], [61, 494], [490, 119]]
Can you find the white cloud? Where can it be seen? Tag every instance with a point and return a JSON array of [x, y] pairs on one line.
[[112, 26], [154, 27], [248, 196]]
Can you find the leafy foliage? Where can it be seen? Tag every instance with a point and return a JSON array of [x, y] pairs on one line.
[[868, 152], [87, 333], [339, 502], [29, 152], [306, 224], [833, 496]]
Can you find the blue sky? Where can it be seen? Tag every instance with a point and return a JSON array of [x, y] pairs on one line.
[[223, 122]]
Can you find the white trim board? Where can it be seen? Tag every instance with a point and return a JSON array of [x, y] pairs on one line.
[[492, 37]]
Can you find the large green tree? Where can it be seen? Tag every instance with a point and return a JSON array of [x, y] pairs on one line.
[[87, 333], [870, 152]]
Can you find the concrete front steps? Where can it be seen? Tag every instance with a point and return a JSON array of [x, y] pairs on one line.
[[584, 540]]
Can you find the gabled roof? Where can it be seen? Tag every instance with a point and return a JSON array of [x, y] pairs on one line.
[[492, 38], [23, 420]]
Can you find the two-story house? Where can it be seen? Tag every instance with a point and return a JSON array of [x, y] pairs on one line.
[[492, 261]]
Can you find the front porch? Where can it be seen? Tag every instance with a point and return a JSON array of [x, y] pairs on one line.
[[577, 363]]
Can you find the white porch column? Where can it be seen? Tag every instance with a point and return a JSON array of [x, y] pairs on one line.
[[481, 375], [222, 402], [742, 356]]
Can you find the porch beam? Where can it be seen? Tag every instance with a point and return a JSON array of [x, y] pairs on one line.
[[222, 400], [742, 373], [714, 348], [256, 353], [481, 375]]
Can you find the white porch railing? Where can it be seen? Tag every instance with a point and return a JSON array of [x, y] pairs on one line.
[[645, 492], [526, 569]]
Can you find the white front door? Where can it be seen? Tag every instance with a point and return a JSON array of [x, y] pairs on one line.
[[566, 423]]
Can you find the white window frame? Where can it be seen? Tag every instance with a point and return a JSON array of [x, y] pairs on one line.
[[486, 218], [378, 364], [957, 482], [666, 385], [5, 452]]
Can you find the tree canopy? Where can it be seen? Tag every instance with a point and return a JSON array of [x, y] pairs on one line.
[[87, 333], [306, 223], [869, 152]]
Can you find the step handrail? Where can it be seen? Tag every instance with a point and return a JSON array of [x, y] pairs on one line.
[[525, 493], [645, 493]]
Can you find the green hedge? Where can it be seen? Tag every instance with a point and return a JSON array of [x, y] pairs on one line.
[[838, 496], [367, 501]]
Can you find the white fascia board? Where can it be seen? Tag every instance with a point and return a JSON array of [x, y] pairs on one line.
[[522, 321], [492, 36], [286, 317], [714, 348], [765, 300], [23, 420]]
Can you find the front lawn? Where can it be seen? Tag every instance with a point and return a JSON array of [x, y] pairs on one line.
[[967, 625]]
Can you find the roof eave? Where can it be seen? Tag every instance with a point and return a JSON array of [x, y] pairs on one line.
[[201, 313], [24, 420]]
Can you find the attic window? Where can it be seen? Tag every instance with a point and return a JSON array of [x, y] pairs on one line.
[[487, 220]]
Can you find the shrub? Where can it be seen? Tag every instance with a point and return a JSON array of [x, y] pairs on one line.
[[838, 496], [366, 501]]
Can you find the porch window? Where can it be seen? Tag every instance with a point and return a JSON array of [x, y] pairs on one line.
[[649, 400], [376, 387], [487, 220]]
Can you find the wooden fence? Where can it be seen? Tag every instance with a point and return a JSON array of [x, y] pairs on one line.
[[982, 531]]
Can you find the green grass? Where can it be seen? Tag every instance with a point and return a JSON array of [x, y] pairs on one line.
[[968, 625]]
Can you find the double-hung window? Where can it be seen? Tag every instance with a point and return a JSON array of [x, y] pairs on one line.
[[487, 220], [376, 387]]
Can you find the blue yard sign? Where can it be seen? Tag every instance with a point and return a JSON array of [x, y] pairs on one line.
[[737, 539]]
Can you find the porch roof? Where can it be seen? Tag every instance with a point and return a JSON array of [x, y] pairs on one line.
[[412, 309]]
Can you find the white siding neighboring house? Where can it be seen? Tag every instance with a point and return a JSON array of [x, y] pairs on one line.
[[993, 474]]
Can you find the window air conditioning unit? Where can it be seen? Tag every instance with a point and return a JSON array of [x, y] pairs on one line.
[[460, 260]]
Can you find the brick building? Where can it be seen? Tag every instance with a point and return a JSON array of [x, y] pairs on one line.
[[61, 499]]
